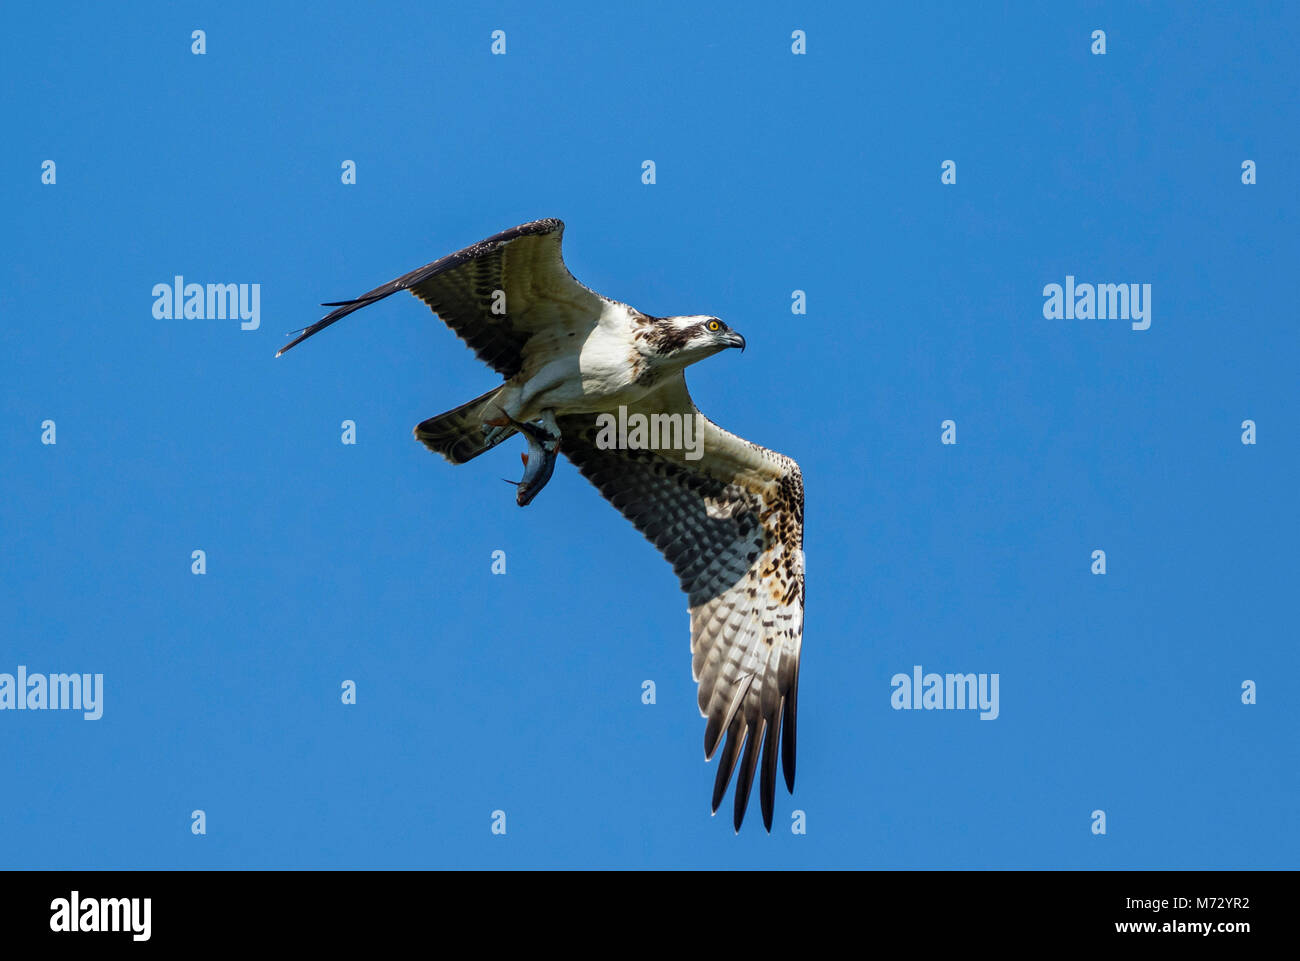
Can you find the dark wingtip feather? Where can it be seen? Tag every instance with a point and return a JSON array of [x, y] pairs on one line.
[[767, 780], [307, 332], [712, 735], [342, 309], [788, 732], [745, 779], [727, 762]]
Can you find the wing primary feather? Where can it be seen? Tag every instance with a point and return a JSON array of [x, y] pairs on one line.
[[767, 781], [745, 779], [727, 761], [344, 307], [738, 698], [788, 732], [712, 735]]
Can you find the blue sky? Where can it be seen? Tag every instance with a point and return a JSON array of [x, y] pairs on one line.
[[775, 173]]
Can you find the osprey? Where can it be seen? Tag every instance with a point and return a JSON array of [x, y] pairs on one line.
[[728, 516]]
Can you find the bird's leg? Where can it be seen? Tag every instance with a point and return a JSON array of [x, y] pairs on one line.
[[494, 432], [550, 424], [495, 429]]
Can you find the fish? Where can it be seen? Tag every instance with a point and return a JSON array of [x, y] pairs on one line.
[[539, 462]]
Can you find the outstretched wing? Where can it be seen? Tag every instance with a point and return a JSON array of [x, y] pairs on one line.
[[496, 295], [730, 522]]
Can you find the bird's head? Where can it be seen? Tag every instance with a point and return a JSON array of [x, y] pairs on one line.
[[684, 340]]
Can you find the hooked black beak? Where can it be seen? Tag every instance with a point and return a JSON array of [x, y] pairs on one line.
[[735, 340]]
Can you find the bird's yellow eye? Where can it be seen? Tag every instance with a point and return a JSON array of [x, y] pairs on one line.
[[714, 325]]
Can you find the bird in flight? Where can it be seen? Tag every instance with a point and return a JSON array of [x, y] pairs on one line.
[[726, 513]]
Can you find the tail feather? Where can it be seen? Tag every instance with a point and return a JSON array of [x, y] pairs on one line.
[[458, 434]]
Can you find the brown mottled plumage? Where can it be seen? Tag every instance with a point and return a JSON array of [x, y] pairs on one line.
[[731, 526]]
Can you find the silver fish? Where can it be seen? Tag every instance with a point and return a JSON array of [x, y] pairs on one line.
[[539, 462]]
